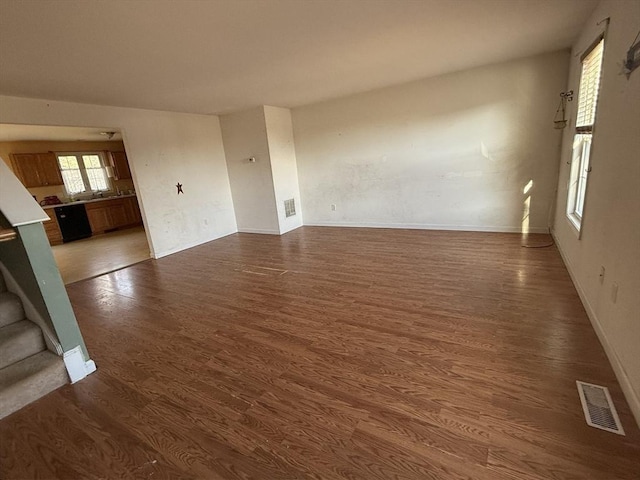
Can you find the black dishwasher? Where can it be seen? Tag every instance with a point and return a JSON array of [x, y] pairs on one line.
[[73, 222]]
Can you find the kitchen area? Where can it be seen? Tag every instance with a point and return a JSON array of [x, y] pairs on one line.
[[82, 179], [80, 219]]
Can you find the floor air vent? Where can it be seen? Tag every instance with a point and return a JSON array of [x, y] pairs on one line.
[[599, 410]]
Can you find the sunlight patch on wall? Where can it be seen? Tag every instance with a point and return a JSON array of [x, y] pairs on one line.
[[525, 215], [484, 151]]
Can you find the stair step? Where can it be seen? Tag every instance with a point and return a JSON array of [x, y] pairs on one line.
[[27, 380], [18, 341], [11, 310]]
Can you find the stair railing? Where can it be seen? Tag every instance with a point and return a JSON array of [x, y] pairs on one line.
[[7, 234]]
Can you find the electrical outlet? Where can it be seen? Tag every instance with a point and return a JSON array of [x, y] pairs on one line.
[[602, 274], [614, 292], [333, 207]]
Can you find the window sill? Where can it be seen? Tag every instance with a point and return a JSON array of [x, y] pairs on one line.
[[81, 197], [576, 224]]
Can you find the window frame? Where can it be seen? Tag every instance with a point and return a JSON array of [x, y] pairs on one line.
[[582, 146], [88, 192]]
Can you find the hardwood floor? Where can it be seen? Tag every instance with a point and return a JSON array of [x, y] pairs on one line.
[[331, 354], [101, 254]]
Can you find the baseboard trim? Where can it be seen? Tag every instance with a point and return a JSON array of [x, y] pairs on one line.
[[190, 245], [259, 231], [428, 226], [290, 229], [627, 389], [77, 367]]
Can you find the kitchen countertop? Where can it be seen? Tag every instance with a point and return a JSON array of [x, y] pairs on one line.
[[92, 200]]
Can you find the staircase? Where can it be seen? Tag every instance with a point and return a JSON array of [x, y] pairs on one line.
[[28, 370]]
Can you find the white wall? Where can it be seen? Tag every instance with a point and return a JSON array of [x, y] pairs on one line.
[[284, 167], [163, 149], [260, 189], [245, 136], [610, 234], [451, 152]]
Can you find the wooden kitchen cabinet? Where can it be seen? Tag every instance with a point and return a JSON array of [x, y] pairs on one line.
[[25, 166], [37, 169], [49, 170], [120, 165], [118, 213], [99, 216], [52, 229], [133, 210], [114, 213]]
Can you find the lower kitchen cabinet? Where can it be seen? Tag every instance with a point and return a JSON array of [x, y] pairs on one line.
[[103, 215], [99, 217], [134, 210], [111, 214], [52, 229]]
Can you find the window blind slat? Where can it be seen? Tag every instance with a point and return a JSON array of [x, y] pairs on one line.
[[589, 86]]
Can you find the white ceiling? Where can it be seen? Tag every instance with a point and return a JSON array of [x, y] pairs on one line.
[[13, 133], [216, 56]]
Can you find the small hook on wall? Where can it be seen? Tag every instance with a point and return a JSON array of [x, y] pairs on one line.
[[568, 95]]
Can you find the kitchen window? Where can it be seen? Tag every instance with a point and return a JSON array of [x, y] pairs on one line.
[[83, 172], [585, 122]]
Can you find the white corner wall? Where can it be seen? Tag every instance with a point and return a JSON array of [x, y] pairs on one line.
[[284, 167], [451, 152], [163, 148], [610, 234], [245, 136]]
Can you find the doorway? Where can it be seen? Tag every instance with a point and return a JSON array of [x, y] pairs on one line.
[[82, 179]]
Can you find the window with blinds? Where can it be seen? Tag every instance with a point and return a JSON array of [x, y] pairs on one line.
[[585, 121], [83, 172], [589, 86]]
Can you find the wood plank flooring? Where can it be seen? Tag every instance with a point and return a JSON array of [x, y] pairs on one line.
[[101, 254], [331, 354]]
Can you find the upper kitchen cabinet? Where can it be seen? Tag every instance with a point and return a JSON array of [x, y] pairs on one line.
[[120, 165], [37, 169], [49, 170], [25, 166]]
